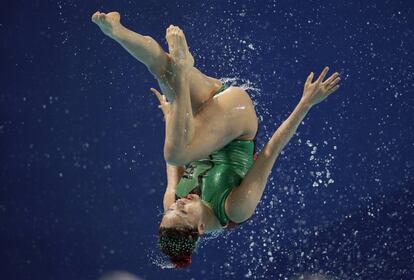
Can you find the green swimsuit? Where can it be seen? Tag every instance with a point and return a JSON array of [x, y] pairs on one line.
[[214, 177]]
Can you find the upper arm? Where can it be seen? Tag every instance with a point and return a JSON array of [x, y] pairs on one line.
[[243, 200], [240, 206]]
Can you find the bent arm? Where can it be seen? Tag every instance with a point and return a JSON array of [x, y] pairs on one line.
[[242, 201], [174, 174]]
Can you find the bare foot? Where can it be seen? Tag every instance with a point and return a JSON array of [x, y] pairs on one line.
[[108, 23], [183, 61]]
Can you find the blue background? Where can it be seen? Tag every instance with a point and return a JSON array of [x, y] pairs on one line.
[[82, 171]]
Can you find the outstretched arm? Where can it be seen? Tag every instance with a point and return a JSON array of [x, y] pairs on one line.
[[242, 201]]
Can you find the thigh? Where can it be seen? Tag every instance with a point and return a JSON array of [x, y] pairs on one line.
[[229, 115]]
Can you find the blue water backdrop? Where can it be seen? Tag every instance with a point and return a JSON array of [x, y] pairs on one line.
[[82, 173]]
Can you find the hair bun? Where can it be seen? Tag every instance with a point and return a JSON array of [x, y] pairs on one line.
[[182, 263]]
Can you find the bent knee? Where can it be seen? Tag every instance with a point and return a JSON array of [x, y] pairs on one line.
[[158, 63], [157, 70]]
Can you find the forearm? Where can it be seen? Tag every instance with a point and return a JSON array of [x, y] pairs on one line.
[[143, 48], [180, 121], [287, 129], [267, 157], [174, 174]]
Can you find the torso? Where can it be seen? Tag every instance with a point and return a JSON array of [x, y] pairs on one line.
[[214, 177], [206, 104]]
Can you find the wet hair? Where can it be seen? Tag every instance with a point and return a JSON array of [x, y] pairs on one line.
[[178, 243]]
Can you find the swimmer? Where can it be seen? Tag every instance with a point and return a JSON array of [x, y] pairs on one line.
[[215, 180]]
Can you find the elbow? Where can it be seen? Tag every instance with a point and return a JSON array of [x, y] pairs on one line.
[[240, 217], [240, 214]]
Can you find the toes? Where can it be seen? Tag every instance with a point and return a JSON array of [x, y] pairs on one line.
[[177, 31], [171, 36], [102, 17], [183, 39], [176, 39], [95, 16], [116, 14], [169, 29], [172, 30]]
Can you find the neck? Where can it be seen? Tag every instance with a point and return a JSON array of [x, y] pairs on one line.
[[209, 219]]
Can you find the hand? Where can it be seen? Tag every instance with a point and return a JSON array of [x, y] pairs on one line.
[[313, 93], [164, 104]]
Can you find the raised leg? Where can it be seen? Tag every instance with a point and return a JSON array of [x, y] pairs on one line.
[[191, 137], [180, 124], [149, 52], [191, 133], [143, 48]]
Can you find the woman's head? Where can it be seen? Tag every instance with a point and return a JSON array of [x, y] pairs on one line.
[[180, 229], [178, 244]]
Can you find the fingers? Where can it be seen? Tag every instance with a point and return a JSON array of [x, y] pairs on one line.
[[332, 90], [309, 79], [335, 82], [322, 75], [161, 98], [331, 78]]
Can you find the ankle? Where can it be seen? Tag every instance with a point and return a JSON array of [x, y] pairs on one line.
[[118, 32]]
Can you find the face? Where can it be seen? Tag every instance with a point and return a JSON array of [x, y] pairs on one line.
[[184, 212]]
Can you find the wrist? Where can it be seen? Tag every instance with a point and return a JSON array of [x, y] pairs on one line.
[[304, 104]]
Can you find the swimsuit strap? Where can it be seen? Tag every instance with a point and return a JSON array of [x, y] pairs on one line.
[[221, 89]]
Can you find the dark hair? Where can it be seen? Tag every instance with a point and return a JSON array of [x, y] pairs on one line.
[[178, 243]]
